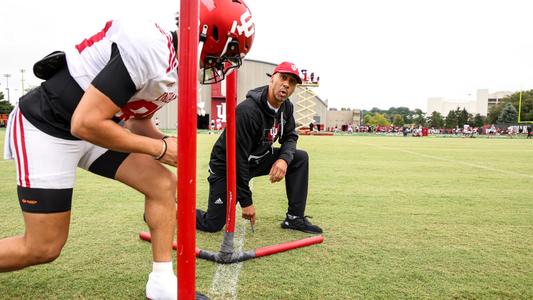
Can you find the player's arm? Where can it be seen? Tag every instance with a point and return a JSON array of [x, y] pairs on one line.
[[145, 127], [92, 121]]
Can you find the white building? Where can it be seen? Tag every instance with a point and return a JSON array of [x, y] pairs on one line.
[[481, 105], [253, 73]]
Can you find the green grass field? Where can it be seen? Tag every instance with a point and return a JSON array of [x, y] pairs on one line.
[[403, 218]]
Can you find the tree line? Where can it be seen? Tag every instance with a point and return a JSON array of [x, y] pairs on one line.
[[5, 106], [503, 113]]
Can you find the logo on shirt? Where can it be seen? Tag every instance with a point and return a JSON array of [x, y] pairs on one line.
[[167, 97], [137, 109], [271, 134], [30, 202]]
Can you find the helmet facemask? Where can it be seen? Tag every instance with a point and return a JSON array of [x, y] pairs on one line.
[[216, 68]]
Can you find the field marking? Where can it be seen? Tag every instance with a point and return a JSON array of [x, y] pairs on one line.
[[226, 277], [507, 172]]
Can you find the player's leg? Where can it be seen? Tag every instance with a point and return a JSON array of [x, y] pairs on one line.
[[153, 180], [45, 236], [45, 180], [158, 184]]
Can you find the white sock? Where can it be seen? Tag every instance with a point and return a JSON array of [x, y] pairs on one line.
[[162, 267]]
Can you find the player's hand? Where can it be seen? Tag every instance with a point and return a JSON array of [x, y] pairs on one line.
[[248, 213], [171, 156], [278, 170]]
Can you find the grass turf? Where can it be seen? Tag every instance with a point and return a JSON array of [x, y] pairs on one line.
[[403, 218]]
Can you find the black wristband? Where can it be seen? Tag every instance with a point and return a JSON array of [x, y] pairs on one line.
[[164, 150]]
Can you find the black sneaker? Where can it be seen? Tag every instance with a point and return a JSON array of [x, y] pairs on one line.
[[300, 223]]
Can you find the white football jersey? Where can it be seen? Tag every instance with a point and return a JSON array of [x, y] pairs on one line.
[[148, 54]]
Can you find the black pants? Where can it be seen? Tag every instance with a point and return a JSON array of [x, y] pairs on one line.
[[296, 183]]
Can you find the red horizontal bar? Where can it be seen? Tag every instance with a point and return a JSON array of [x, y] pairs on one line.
[[145, 236], [263, 251], [269, 250]]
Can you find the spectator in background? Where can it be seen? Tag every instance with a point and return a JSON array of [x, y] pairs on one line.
[[212, 126], [510, 131]]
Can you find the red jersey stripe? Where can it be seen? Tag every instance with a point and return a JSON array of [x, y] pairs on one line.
[[24, 154], [15, 142], [95, 38]]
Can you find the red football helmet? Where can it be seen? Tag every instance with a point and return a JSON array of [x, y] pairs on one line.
[[227, 32]]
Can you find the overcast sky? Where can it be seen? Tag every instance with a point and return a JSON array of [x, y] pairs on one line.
[[378, 53]]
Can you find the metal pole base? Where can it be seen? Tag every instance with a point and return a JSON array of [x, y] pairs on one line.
[[230, 257]]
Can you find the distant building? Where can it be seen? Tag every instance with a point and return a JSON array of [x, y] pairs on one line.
[[484, 101], [307, 105], [338, 118], [496, 98]]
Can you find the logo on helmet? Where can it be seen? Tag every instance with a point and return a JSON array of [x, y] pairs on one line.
[[247, 26]]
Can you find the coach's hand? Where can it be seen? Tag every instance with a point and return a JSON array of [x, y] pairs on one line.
[[248, 213], [278, 170]]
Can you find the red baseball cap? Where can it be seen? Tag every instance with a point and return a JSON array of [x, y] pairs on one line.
[[288, 68]]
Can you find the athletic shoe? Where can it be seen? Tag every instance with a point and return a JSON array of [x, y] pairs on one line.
[[164, 287], [300, 223]]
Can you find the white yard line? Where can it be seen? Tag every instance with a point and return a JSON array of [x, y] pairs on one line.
[[226, 277], [507, 172]]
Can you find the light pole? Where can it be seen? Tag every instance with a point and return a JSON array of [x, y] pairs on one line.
[[7, 86], [22, 80]]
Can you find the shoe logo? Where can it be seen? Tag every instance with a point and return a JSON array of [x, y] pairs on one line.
[[286, 223], [31, 202], [219, 201]]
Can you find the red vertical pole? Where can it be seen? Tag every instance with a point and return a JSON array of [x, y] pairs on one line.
[[231, 170], [187, 97]]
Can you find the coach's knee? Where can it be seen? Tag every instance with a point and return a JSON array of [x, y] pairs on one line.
[[301, 158], [214, 226], [301, 155], [207, 223]]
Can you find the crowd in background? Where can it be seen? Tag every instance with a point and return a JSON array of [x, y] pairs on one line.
[[465, 131]]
